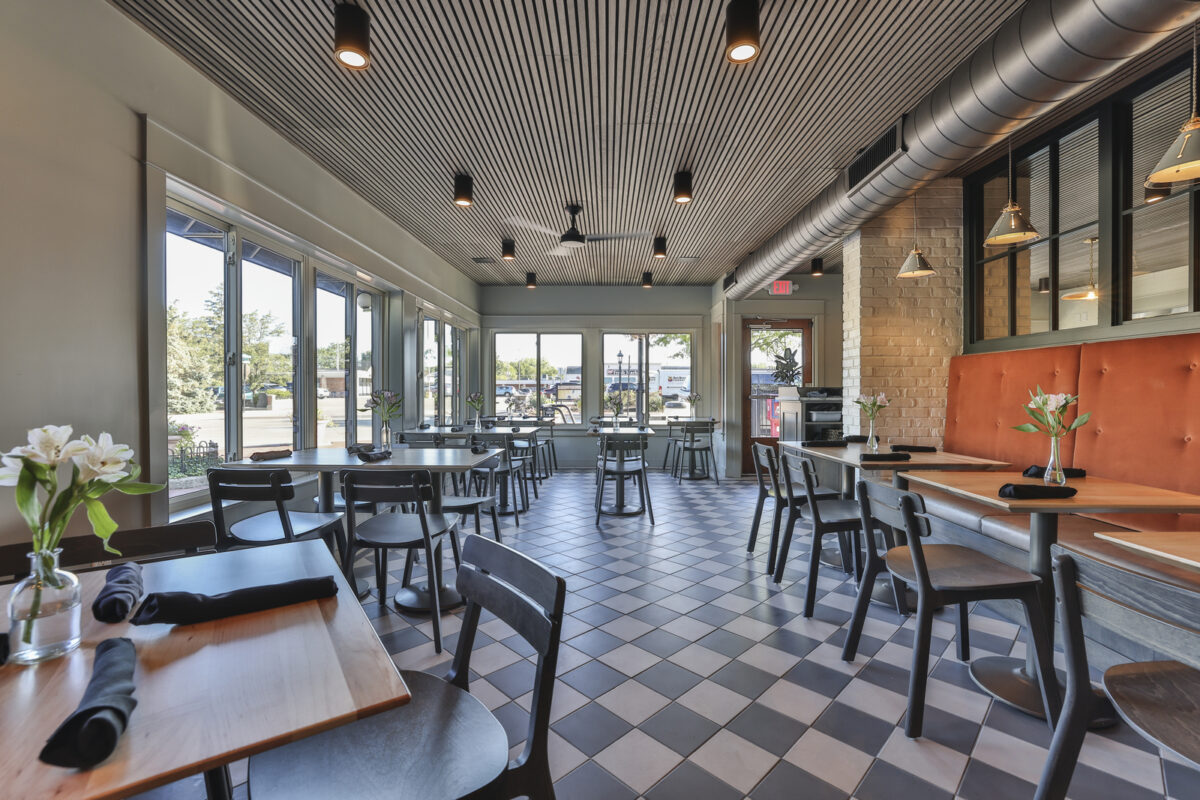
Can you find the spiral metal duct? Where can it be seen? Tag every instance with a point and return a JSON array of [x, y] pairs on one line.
[[1042, 55]]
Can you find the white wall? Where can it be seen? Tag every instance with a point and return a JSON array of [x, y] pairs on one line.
[[74, 77]]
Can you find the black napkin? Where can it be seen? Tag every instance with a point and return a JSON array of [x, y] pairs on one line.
[[91, 733], [424, 426], [487, 426], [594, 429], [185, 608], [641, 427], [374, 455], [1040, 472], [478, 449], [355, 449], [859, 439], [3, 648], [455, 428], [824, 443], [122, 588], [913, 448], [1036, 491], [884, 457], [270, 455]]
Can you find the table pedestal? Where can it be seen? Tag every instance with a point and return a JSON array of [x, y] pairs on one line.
[[619, 508]]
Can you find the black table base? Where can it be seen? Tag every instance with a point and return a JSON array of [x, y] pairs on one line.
[[1008, 680], [416, 600]]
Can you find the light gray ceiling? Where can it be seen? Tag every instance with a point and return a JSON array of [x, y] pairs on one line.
[[595, 101]]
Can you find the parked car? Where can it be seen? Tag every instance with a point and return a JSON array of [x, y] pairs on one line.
[[322, 393], [618, 386], [505, 391]]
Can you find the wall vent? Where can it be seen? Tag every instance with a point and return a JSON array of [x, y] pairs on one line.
[[873, 158]]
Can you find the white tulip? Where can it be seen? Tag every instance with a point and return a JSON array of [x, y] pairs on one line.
[[49, 445], [11, 470], [102, 460]]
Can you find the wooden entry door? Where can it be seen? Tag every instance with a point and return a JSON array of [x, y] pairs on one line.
[[762, 340]]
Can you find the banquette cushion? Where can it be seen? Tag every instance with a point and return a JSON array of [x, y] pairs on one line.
[[985, 395]]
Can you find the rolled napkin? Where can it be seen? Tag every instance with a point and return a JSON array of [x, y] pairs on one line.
[[122, 588], [913, 448], [857, 439], [424, 426], [91, 733], [355, 449], [594, 429], [487, 426], [455, 428], [884, 457], [478, 449], [270, 455], [1040, 472], [824, 443], [3, 648], [374, 455], [641, 427], [1036, 491], [516, 428], [185, 608]]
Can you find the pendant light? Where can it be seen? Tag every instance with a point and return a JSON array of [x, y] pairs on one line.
[[915, 266], [647, 280], [1182, 161], [1090, 292], [818, 267], [508, 250], [351, 36], [530, 280], [741, 31], [1012, 227], [660, 247], [682, 191], [464, 190], [1154, 194]]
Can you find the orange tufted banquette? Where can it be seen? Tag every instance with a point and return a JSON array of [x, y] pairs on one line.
[[1143, 394], [986, 393]]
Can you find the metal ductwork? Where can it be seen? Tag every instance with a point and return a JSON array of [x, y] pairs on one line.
[[1041, 56]]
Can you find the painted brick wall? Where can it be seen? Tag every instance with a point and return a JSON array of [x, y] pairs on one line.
[[899, 334]]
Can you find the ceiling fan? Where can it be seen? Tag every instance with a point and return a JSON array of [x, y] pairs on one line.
[[572, 239]]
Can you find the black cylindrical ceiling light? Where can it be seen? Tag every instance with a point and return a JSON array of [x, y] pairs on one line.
[[508, 249], [351, 36], [741, 31], [818, 267], [1043, 286], [682, 191], [530, 280], [647, 280], [1155, 193], [464, 190], [660, 247]]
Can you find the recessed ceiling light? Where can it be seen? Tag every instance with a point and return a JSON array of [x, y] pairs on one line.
[[351, 36]]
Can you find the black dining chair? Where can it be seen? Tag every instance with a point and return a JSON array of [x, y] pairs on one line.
[[766, 471], [622, 458], [445, 743], [268, 485], [136, 544], [824, 516], [478, 496], [408, 531], [1157, 698], [945, 574], [511, 474], [697, 442]]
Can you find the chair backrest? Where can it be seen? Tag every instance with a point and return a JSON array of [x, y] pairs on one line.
[[793, 464], [135, 544], [916, 526], [399, 486], [529, 598], [701, 428], [619, 447], [764, 467], [265, 485], [879, 504]]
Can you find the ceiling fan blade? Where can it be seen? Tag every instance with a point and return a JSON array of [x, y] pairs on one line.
[[521, 222], [604, 237], [561, 251]]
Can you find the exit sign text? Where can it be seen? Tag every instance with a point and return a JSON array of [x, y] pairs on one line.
[[781, 287]]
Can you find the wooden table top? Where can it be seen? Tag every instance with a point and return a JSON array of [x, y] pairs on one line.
[[207, 694], [622, 431], [335, 459], [851, 456], [1177, 547], [1094, 495]]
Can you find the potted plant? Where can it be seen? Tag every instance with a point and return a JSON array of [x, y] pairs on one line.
[[386, 405], [1048, 412], [787, 368], [871, 405], [44, 608]]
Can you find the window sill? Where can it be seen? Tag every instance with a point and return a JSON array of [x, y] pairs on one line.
[[200, 507]]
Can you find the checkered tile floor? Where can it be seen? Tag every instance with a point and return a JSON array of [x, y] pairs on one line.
[[686, 673]]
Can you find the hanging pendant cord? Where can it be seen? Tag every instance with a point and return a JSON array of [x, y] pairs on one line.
[[1012, 188], [1193, 69]]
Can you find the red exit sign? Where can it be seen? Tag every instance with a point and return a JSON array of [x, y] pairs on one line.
[[781, 287]]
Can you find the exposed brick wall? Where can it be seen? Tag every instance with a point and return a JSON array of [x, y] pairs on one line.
[[899, 333]]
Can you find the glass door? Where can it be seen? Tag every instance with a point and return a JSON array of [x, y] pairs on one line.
[[775, 353], [333, 360], [268, 345]]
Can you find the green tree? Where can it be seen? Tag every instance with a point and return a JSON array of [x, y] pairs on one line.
[[333, 355], [679, 344], [189, 375]]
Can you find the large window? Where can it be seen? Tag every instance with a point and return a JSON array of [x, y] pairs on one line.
[[670, 373], [269, 346], [539, 374], [651, 374], [366, 358], [430, 346], [333, 360]]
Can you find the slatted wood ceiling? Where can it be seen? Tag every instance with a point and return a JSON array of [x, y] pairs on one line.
[[597, 101]]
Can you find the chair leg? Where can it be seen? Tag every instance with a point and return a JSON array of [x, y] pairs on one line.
[[454, 546], [814, 567], [1065, 745], [646, 492], [381, 557], [865, 585], [712, 465], [435, 601], [478, 523], [409, 558], [786, 544], [495, 522], [776, 522], [1044, 656], [915, 718], [964, 632], [666, 453], [758, 509]]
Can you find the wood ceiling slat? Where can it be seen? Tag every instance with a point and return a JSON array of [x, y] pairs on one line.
[[545, 102]]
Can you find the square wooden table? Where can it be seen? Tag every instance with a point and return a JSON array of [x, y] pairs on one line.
[[1009, 679], [208, 694], [1177, 547]]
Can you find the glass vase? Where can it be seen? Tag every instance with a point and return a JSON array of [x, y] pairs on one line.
[[385, 436], [43, 611], [478, 423], [1054, 469], [872, 442]]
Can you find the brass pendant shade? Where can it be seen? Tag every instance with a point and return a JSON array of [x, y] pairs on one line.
[[1089, 292], [1181, 163], [1012, 228]]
